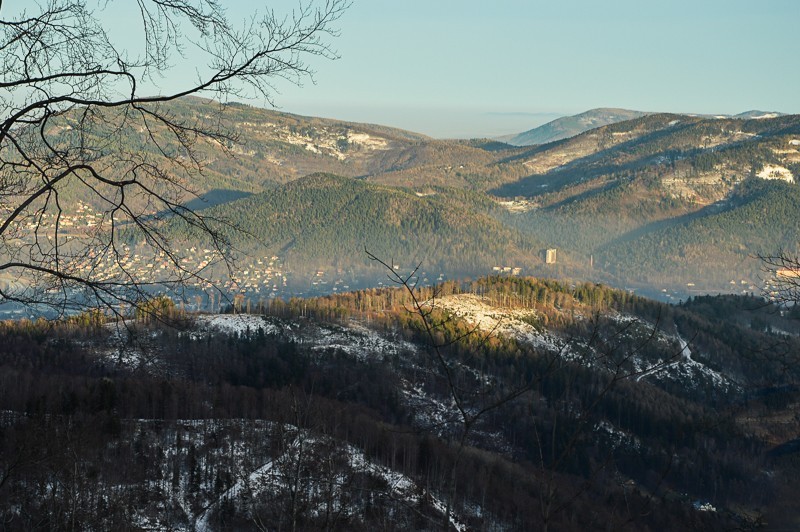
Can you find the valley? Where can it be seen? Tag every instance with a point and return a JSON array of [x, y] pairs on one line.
[[531, 374], [327, 265], [666, 205], [658, 202]]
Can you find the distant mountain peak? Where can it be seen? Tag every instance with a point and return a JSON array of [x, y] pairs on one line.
[[758, 115], [569, 126]]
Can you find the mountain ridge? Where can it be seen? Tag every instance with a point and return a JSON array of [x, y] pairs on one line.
[[575, 194], [569, 126]]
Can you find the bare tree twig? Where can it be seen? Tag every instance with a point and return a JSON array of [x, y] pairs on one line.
[[75, 123]]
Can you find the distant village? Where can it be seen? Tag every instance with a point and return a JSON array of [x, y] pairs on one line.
[[259, 279]]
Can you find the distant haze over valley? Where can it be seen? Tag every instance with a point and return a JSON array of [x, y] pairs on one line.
[[518, 127], [436, 122]]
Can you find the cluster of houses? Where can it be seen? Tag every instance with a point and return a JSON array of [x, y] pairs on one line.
[[262, 275], [510, 270], [84, 217]]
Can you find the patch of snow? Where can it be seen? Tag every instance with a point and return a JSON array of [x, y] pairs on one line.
[[202, 522], [402, 486], [477, 311], [701, 506], [517, 205], [772, 171], [353, 338], [367, 141], [689, 371], [236, 324], [783, 332], [270, 476], [617, 436], [357, 341], [681, 367], [429, 412], [717, 378]]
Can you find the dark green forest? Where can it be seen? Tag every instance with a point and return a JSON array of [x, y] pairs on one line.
[[578, 438], [324, 221]]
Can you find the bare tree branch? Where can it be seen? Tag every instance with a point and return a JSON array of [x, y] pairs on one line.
[[782, 272], [75, 124]]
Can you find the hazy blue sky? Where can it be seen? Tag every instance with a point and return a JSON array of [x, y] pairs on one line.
[[484, 68]]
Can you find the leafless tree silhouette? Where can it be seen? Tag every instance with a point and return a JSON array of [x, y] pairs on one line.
[[76, 126], [783, 273]]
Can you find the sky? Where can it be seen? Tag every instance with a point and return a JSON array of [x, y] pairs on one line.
[[468, 68]]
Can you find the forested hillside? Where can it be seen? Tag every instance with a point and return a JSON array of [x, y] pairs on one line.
[[659, 202], [669, 200], [758, 218], [323, 221], [568, 406]]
